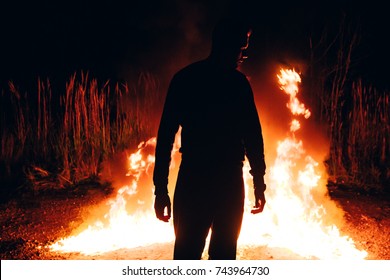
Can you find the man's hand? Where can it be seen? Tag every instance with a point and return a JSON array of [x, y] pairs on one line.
[[259, 201], [161, 203], [259, 186]]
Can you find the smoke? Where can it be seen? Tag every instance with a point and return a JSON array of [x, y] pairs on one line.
[[169, 38]]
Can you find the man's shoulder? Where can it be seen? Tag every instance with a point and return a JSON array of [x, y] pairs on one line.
[[197, 66], [189, 73], [203, 69], [240, 75]]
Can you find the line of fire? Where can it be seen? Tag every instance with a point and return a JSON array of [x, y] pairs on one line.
[[299, 216], [82, 91], [300, 220]]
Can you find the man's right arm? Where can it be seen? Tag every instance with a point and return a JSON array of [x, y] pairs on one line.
[[169, 125]]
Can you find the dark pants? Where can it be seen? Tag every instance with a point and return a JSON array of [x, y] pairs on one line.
[[207, 198]]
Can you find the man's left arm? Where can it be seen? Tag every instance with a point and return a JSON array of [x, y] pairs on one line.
[[254, 148]]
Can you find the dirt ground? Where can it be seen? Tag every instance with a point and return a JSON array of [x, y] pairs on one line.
[[30, 222]]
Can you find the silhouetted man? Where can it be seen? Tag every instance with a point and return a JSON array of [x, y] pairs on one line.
[[213, 103]]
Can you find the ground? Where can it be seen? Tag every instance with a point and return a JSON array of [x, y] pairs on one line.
[[30, 222]]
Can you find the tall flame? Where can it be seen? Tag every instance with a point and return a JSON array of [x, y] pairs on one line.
[[293, 218]]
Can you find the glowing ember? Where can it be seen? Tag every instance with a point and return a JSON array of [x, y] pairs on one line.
[[293, 218]]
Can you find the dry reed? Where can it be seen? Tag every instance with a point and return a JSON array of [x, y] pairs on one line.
[[356, 115], [70, 140]]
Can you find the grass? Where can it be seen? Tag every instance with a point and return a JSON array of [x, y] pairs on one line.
[[67, 138], [367, 136], [64, 138], [356, 114]]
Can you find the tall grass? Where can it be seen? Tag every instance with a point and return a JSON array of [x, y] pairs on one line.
[[356, 114], [85, 137], [70, 136], [368, 136], [67, 136], [15, 127]]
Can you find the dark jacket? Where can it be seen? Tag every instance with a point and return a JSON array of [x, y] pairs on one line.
[[215, 108]]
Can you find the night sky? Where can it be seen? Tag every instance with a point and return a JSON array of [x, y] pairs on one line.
[[118, 39]]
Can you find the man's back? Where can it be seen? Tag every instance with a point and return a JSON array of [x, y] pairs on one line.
[[211, 105]]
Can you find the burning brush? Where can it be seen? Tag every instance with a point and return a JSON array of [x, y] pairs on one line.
[[293, 218]]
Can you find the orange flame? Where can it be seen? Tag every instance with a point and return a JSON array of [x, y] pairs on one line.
[[293, 218], [288, 80]]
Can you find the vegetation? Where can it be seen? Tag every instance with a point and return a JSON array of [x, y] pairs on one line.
[[65, 138], [356, 114]]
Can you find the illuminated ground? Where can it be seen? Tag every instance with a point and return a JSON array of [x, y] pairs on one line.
[[33, 221]]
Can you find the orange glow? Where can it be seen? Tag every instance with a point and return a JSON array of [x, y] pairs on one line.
[[293, 217]]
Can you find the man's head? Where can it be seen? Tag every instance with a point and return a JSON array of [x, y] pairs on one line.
[[230, 40]]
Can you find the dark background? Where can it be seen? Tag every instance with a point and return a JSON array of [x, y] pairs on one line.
[[117, 39]]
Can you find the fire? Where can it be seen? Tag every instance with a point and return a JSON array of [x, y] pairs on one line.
[[288, 80], [294, 217], [119, 228]]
